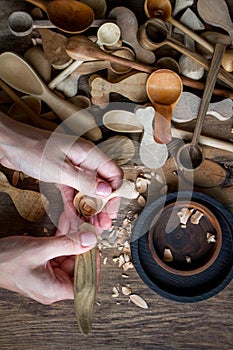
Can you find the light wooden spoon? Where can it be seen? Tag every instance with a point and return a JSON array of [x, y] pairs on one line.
[[30, 205], [16, 72]]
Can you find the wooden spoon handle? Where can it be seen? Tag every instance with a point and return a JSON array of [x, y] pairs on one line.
[[209, 87], [193, 35], [162, 123]]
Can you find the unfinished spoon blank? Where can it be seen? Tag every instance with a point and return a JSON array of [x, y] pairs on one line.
[[30, 205], [132, 87], [216, 13], [188, 105], [16, 72], [122, 121], [128, 24], [54, 46], [37, 58], [89, 206], [152, 154]]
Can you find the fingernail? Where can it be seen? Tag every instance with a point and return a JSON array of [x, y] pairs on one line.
[[103, 189], [88, 239]]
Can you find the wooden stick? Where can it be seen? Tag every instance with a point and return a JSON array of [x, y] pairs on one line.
[[37, 121]]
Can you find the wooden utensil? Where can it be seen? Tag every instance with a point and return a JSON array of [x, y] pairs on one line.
[[17, 73], [128, 24], [83, 49], [188, 105], [22, 24], [36, 57], [152, 154], [131, 86], [17, 113], [122, 121], [37, 121], [154, 33], [108, 34], [164, 88], [30, 205], [54, 47], [213, 37], [85, 281], [217, 14], [162, 9], [190, 157], [69, 16], [89, 206]]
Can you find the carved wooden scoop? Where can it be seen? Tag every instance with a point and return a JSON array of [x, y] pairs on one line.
[[68, 15], [30, 205], [89, 206], [164, 88]]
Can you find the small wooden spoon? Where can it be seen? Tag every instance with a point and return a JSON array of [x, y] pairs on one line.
[[16, 72], [164, 88], [67, 15], [216, 13], [30, 205], [89, 206]]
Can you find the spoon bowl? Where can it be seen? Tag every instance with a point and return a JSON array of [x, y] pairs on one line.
[[164, 88], [122, 121], [70, 16]]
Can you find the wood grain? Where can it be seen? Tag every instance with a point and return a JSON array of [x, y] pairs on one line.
[[165, 325]]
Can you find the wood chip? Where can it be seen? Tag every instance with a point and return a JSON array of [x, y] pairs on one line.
[[167, 255], [196, 217], [210, 238], [126, 290], [139, 301]]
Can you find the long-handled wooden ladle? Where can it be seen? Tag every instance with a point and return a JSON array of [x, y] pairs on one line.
[[82, 48], [163, 9], [164, 88], [190, 156], [67, 15], [16, 72]]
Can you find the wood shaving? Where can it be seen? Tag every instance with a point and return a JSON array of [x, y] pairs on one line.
[[196, 217], [188, 259], [167, 255], [126, 290], [184, 215], [139, 301], [115, 292], [210, 238]]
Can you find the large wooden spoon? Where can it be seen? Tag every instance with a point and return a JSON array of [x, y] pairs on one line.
[[30, 205], [16, 72], [216, 13], [67, 15], [164, 88]]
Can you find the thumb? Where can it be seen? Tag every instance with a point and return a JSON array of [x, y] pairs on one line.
[[64, 245]]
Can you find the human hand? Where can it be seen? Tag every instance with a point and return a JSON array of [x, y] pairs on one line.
[[57, 158], [42, 268]]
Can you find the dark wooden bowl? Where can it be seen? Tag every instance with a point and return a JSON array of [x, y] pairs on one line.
[[188, 245]]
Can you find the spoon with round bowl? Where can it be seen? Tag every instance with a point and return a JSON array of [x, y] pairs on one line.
[[164, 88], [17, 73], [69, 16]]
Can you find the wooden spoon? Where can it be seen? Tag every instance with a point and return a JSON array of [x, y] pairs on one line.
[[162, 9], [132, 86], [89, 206], [15, 71], [216, 13], [30, 205], [190, 157], [164, 88], [67, 15], [83, 49]]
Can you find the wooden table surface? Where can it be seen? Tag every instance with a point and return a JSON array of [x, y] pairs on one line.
[[25, 324]]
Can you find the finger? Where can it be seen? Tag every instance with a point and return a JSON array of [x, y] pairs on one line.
[[52, 247]]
